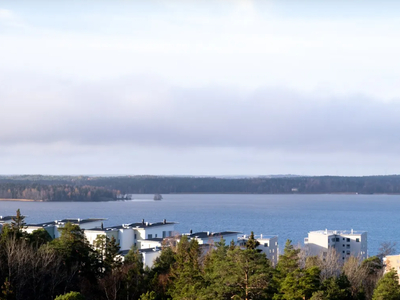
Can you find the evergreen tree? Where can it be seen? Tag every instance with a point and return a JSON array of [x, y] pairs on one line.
[[300, 284], [252, 243], [388, 287], [134, 281], [70, 296], [18, 223], [186, 273]]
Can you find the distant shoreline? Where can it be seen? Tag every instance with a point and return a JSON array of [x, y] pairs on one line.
[[20, 200]]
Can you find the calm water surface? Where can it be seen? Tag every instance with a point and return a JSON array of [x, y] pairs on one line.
[[288, 216]]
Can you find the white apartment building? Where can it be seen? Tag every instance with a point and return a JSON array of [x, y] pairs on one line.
[[52, 226], [268, 245], [346, 243], [143, 235]]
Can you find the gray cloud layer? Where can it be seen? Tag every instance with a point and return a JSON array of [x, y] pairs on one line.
[[142, 111]]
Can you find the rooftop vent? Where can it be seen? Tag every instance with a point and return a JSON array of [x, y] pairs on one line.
[[147, 223], [165, 221], [143, 221]]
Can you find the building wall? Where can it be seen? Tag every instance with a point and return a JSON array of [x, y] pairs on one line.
[[92, 235], [270, 247], [345, 244], [212, 239], [161, 231], [150, 257], [126, 238], [392, 262], [146, 244]]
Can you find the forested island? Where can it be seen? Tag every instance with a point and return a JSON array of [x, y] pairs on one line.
[[97, 188]]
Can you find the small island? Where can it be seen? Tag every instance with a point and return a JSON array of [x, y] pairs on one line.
[[157, 197]]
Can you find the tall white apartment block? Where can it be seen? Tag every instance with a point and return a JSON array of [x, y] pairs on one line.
[[269, 246], [346, 243]]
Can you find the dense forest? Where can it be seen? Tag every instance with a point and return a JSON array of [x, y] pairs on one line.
[[34, 267], [86, 188]]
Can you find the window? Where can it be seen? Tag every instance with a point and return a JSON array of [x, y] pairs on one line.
[[343, 251], [337, 239], [348, 246], [348, 240], [265, 244], [348, 253], [343, 239], [164, 234], [149, 236], [333, 239], [156, 235], [357, 240], [135, 236], [343, 245]]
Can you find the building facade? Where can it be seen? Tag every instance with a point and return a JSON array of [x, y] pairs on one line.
[[345, 243]]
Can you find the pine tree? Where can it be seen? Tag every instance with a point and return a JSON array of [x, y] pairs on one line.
[[252, 243], [388, 287], [186, 273]]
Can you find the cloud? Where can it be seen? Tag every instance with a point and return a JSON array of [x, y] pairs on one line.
[[9, 20], [149, 112]]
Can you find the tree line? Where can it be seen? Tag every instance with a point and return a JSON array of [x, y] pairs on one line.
[[85, 188], [57, 192], [32, 266]]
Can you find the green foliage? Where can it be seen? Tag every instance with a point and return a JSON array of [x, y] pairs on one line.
[[148, 296], [388, 287], [6, 291], [107, 253], [300, 284], [186, 274], [70, 296], [289, 261], [39, 237], [252, 243]]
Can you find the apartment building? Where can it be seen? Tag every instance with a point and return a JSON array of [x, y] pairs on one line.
[[346, 243]]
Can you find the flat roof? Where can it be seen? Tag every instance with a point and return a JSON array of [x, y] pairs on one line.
[[63, 221], [7, 218], [152, 240], [207, 234], [142, 225], [338, 232], [155, 249]]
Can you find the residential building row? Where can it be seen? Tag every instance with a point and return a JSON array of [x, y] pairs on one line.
[[149, 238]]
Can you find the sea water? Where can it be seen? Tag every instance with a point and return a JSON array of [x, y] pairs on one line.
[[288, 216]]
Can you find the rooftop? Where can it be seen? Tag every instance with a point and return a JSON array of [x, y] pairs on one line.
[[153, 240], [206, 234], [63, 221], [143, 224], [6, 218], [338, 232]]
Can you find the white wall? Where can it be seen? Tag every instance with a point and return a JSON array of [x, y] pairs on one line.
[[146, 244], [270, 247], [155, 231], [126, 238], [150, 257]]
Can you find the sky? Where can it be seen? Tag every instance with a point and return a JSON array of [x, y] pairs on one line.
[[200, 87]]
